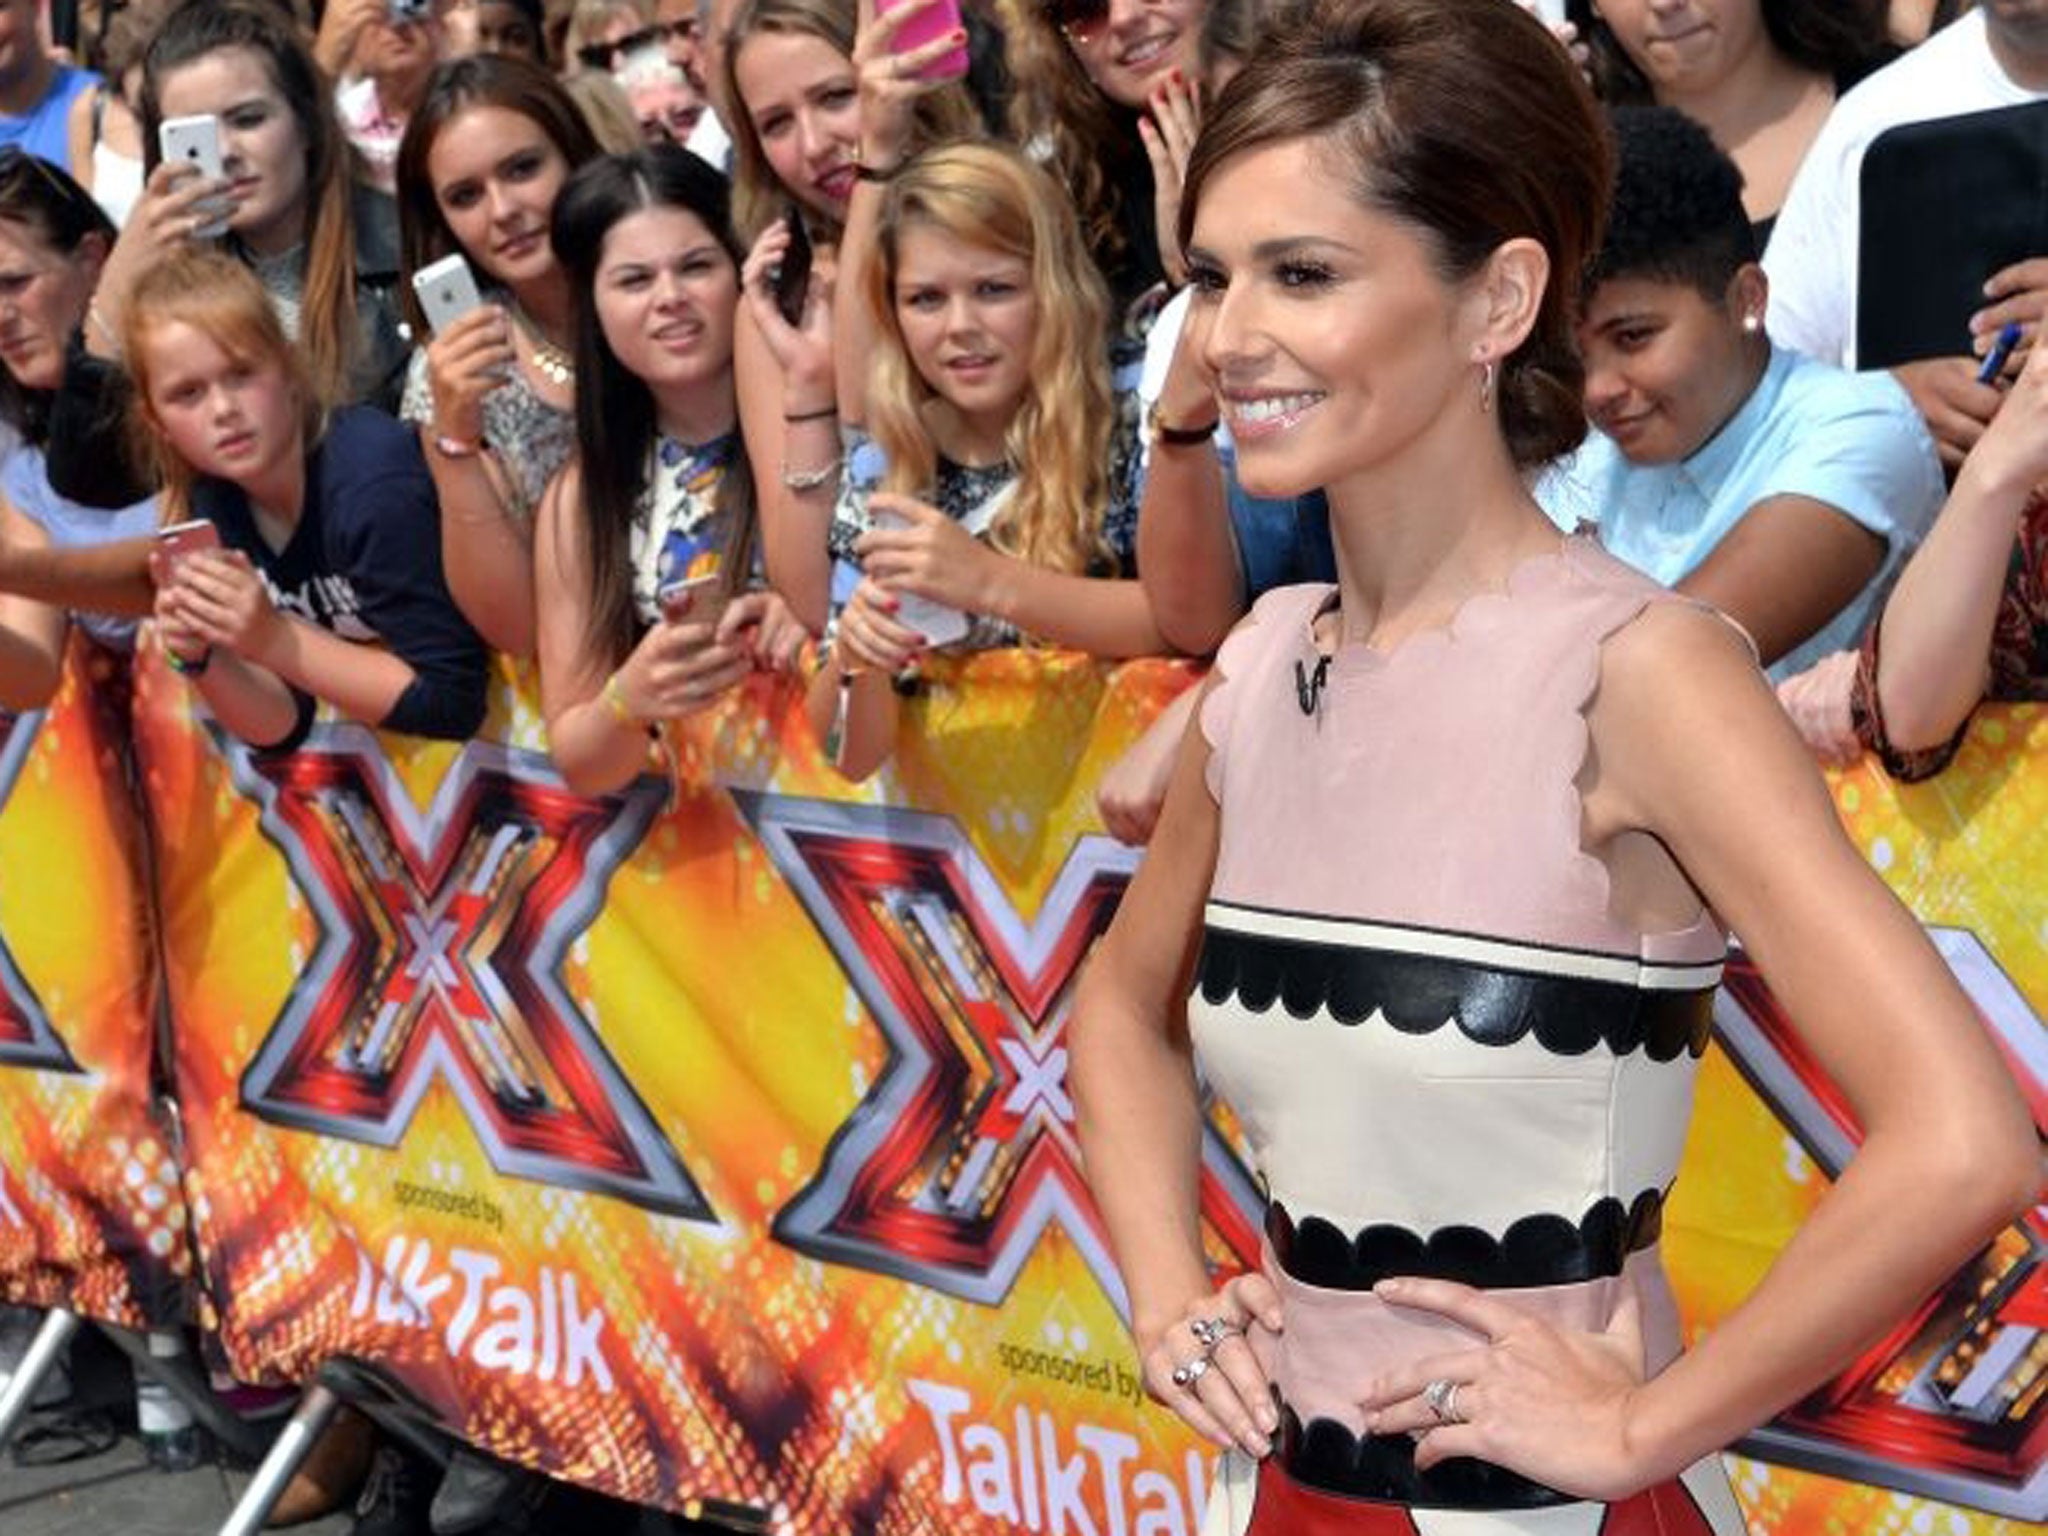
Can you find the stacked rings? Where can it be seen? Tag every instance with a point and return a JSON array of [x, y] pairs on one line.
[[1209, 1332]]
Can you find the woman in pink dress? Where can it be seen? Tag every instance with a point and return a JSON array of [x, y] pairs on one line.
[[1439, 892]]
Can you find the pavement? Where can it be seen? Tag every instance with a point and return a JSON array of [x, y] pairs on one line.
[[114, 1491]]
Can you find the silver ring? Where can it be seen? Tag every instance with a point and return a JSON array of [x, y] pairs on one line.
[[1442, 1397], [1187, 1375], [1210, 1332]]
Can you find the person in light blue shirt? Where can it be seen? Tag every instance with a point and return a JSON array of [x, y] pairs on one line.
[[1786, 492]]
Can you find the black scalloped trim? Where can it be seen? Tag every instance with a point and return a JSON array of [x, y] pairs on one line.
[[1326, 1456], [1419, 994], [1536, 1250]]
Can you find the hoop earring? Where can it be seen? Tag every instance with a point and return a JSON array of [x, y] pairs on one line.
[[1486, 383]]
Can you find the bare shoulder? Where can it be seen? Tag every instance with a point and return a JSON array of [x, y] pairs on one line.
[[1684, 715]]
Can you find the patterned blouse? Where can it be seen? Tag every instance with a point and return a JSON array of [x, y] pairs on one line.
[[679, 530], [530, 438], [2019, 655]]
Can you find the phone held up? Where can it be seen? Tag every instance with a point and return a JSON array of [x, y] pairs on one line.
[[195, 141], [939, 18], [446, 290], [179, 541], [792, 275]]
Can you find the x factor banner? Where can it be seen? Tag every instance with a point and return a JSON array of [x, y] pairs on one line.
[[91, 1215], [710, 1142]]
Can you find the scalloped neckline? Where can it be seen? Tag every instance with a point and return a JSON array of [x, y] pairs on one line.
[[1530, 573]]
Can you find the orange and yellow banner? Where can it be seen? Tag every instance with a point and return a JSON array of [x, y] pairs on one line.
[[91, 1213], [710, 1142]]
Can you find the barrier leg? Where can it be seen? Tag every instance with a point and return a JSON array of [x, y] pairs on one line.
[[184, 1377], [294, 1442], [43, 1352]]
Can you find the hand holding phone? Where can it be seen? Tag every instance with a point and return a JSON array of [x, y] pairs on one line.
[[694, 599], [179, 541], [446, 290], [939, 623], [195, 142], [792, 275], [938, 18]]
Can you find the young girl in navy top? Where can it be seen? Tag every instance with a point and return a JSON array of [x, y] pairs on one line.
[[327, 520]]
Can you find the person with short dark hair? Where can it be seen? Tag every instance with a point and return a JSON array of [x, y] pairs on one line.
[[1782, 490]]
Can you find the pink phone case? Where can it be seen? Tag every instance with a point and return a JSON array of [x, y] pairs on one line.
[[936, 20]]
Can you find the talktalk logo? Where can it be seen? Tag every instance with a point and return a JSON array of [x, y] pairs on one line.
[[441, 939], [962, 1154], [1952, 1403], [27, 1038]]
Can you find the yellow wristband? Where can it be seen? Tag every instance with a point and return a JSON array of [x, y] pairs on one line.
[[615, 700]]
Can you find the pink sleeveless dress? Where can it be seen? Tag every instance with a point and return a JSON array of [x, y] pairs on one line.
[[1450, 1059]]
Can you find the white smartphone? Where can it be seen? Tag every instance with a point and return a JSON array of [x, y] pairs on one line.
[[446, 290], [195, 141], [939, 624]]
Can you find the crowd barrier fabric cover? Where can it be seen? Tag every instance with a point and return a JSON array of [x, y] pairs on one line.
[[710, 1143], [91, 1215]]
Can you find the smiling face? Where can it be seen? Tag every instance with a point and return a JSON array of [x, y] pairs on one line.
[[1686, 47], [666, 291], [227, 416], [967, 315], [800, 95], [495, 174], [263, 152], [1136, 44], [1335, 345], [43, 294], [1666, 366]]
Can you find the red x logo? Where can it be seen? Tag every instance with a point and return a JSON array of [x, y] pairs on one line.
[[1953, 1403], [441, 940], [962, 1153]]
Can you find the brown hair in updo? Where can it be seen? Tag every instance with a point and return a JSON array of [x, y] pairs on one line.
[[1465, 120]]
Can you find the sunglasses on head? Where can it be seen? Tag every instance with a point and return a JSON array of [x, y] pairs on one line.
[[1080, 20], [607, 55]]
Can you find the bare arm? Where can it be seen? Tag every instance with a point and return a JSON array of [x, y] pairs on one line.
[[793, 528], [110, 578], [1715, 773], [1187, 558], [1132, 1062], [78, 134], [1935, 653], [1791, 564], [596, 748], [488, 561], [599, 715], [31, 634], [1187, 554], [935, 557], [1948, 1154]]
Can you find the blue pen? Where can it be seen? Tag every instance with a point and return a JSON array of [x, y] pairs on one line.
[[2001, 349]]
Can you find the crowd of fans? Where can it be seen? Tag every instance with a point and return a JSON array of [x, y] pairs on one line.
[[778, 341]]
